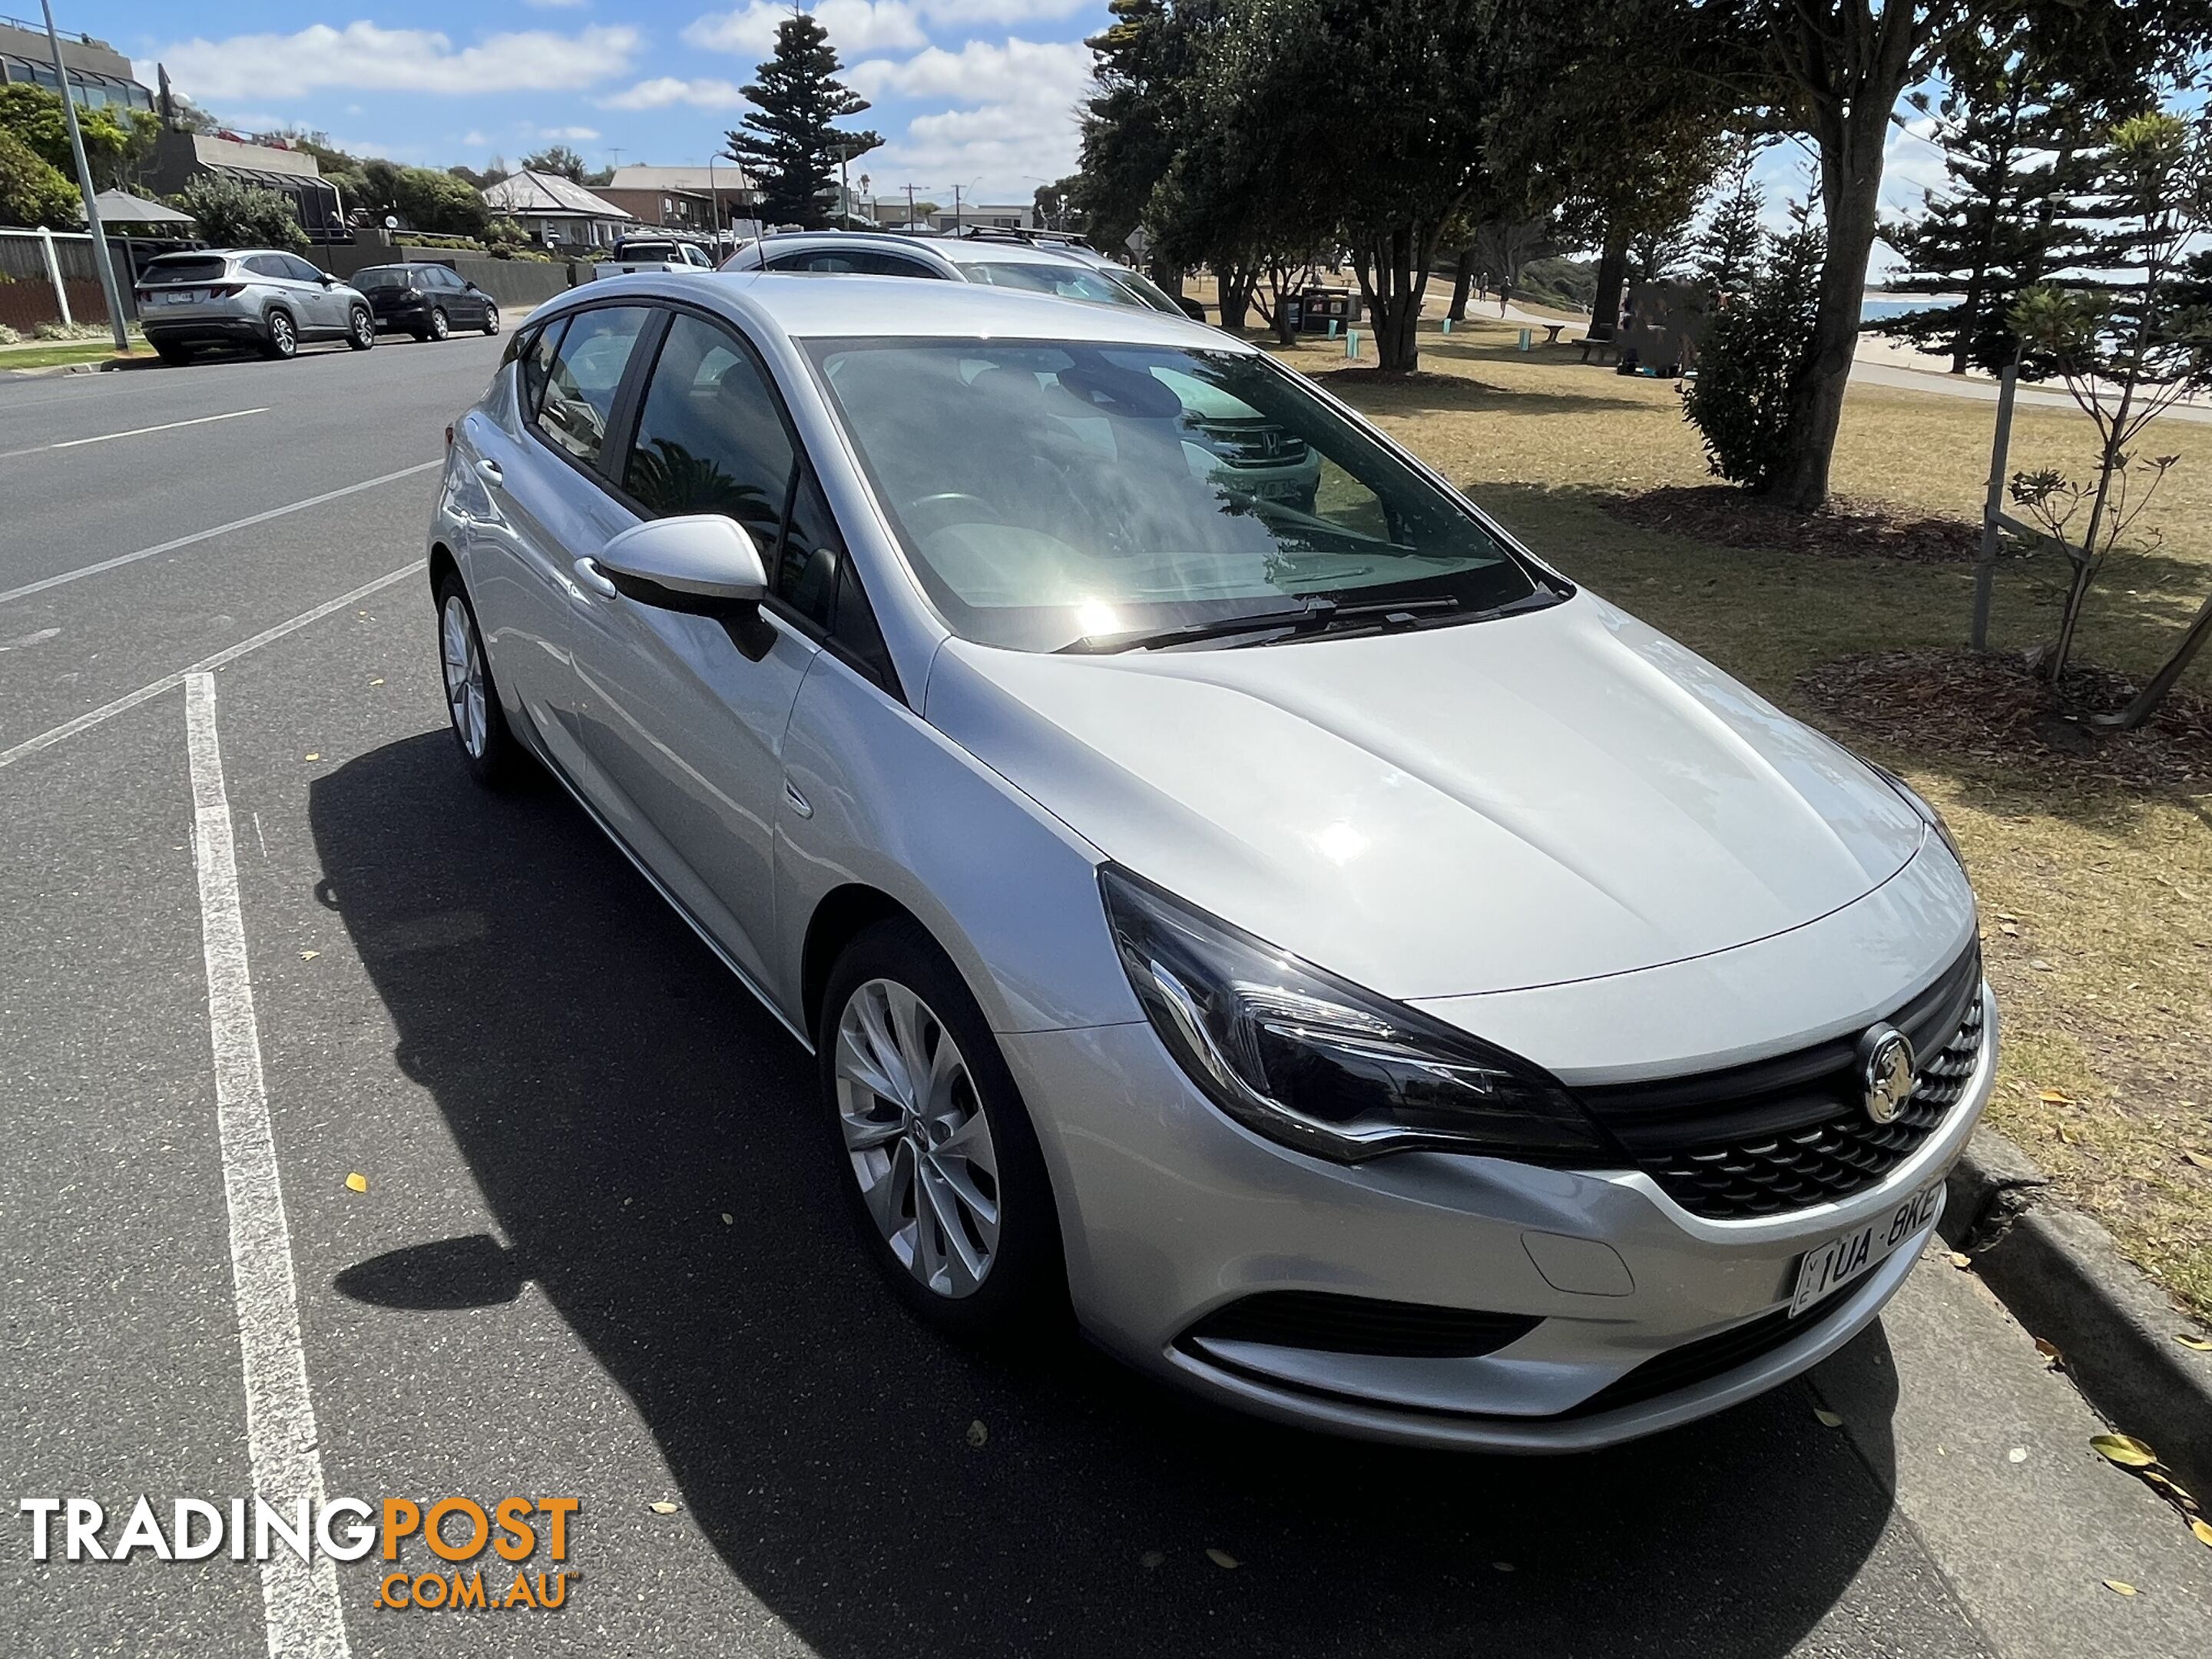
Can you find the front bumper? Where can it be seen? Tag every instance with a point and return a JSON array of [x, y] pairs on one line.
[[1171, 1210]]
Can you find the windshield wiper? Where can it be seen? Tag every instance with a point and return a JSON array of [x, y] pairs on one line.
[[1316, 614]]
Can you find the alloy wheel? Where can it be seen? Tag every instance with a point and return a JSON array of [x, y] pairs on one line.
[[491, 320], [464, 675], [439, 326], [281, 340], [364, 329], [919, 1140]]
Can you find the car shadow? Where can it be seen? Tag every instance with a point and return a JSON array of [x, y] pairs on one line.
[[659, 1170]]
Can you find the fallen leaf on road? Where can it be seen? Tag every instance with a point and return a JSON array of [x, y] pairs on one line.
[[728, 1220], [1828, 1418], [2124, 1449], [663, 1507], [2009, 927], [2190, 1340], [2017, 1454], [2119, 1587], [2049, 1350], [1150, 1559], [309, 956], [314, 757], [2198, 1159], [2203, 1531], [1505, 1566], [376, 682], [2056, 1098], [357, 1183], [977, 1434], [2040, 965], [1960, 1259], [1222, 1558]]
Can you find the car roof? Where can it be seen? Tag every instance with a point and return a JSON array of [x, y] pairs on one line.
[[806, 306]]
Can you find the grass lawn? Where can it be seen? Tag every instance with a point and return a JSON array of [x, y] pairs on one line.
[[2097, 898], [49, 354]]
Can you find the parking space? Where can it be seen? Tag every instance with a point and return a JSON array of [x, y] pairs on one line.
[[601, 1251]]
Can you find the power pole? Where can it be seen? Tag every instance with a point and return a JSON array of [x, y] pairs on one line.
[[100, 260], [955, 209], [909, 207]]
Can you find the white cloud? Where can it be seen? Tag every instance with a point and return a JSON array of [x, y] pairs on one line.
[[1020, 123], [362, 55], [475, 140], [569, 135], [997, 11], [554, 5], [854, 26], [665, 91]]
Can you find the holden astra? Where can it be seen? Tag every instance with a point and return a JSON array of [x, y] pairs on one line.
[[1365, 977]]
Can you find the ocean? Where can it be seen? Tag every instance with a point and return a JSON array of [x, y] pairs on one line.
[[1877, 308]]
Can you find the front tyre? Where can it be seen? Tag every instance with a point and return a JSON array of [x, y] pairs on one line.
[[361, 329], [941, 1165], [488, 747], [491, 320], [284, 339]]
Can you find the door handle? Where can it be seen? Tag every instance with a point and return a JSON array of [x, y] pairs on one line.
[[589, 573], [489, 472]]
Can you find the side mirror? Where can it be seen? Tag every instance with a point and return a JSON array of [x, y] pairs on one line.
[[695, 561], [329, 281], [471, 288], [1191, 308]]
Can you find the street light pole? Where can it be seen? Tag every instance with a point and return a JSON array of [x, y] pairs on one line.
[[100, 260]]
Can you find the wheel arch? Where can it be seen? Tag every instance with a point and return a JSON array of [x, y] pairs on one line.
[[840, 916]]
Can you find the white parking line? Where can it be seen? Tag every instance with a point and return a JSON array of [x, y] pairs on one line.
[[135, 432], [299, 1600], [205, 665], [122, 559]]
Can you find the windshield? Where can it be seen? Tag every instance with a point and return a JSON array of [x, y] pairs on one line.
[[382, 277], [1053, 493], [184, 268], [1070, 281], [1147, 290]]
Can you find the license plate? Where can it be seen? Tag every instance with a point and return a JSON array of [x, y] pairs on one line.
[[1835, 1264], [187, 297]]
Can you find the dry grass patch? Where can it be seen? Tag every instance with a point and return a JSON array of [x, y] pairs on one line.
[[2098, 893]]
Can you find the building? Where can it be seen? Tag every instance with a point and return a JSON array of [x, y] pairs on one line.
[[695, 199], [265, 163], [99, 75], [553, 209], [891, 212]]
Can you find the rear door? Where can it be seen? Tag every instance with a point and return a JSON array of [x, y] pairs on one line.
[[683, 716], [550, 506]]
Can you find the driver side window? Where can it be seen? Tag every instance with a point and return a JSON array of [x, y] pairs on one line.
[[586, 370]]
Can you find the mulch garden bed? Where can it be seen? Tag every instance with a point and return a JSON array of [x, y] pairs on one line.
[[1845, 529], [1996, 707]]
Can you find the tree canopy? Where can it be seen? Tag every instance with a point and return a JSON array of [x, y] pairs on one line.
[[791, 142]]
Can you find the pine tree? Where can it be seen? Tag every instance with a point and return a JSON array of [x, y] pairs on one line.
[[1727, 252], [788, 144], [2018, 156]]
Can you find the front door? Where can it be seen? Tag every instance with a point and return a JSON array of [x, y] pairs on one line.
[[683, 716]]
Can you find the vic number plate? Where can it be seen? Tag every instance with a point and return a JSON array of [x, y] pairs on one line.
[[1835, 1264]]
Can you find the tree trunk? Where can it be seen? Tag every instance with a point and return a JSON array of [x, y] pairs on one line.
[[1393, 267], [1851, 78], [1462, 278], [1612, 275], [1852, 185], [1234, 289]]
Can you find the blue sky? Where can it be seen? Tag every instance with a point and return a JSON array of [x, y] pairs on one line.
[[977, 93]]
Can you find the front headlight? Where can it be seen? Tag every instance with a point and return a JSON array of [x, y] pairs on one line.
[[1919, 802], [1300, 1056]]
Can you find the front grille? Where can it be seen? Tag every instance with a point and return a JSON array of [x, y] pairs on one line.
[[1358, 1324], [1708, 1357], [1790, 1133], [1253, 444]]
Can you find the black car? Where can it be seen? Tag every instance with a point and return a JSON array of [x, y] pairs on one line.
[[427, 300]]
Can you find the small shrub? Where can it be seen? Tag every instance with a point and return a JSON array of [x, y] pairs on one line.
[[70, 332], [8, 335], [1754, 352]]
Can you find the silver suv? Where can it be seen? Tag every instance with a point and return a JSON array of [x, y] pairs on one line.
[[246, 296]]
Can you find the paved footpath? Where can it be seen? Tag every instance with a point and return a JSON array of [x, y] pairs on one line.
[[601, 1253]]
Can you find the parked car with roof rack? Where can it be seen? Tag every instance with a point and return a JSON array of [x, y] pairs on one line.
[[262, 297], [426, 299]]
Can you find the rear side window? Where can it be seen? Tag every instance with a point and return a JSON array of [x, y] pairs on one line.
[[537, 353], [264, 264], [299, 270], [579, 396]]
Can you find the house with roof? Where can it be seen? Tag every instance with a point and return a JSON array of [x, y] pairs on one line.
[[695, 199], [554, 211]]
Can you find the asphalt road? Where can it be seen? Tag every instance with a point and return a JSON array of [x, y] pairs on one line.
[[600, 1253]]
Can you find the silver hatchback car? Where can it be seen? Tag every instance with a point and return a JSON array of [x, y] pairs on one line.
[[262, 297], [1371, 980]]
